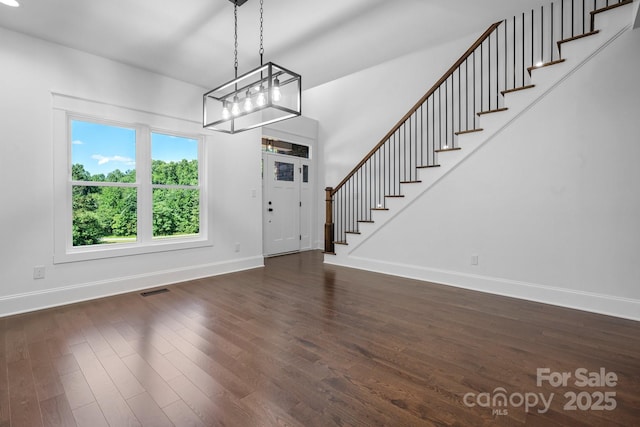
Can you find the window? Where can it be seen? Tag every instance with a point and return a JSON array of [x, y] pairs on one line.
[[103, 184], [174, 179], [282, 147], [283, 171], [125, 188]]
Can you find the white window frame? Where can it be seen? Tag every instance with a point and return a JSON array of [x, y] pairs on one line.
[[65, 110]]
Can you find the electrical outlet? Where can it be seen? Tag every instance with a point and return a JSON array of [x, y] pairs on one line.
[[38, 272], [474, 259]]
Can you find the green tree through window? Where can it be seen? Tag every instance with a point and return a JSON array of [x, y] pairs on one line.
[[105, 186]]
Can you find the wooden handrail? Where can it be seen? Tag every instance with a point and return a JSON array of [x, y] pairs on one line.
[[426, 96]]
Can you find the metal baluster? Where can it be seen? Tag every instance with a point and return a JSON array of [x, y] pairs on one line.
[[455, 102], [497, 69], [446, 113], [489, 70], [481, 76], [506, 56], [466, 92], [551, 39], [416, 143], [562, 19], [421, 140], [361, 197], [474, 91], [514, 52], [523, 49], [459, 99], [433, 126], [541, 34], [532, 37], [583, 16], [572, 18], [397, 183], [439, 118]]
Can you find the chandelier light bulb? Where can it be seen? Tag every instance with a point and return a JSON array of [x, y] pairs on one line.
[[260, 101], [235, 108], [248, 105], [225, 111], [275, 92]]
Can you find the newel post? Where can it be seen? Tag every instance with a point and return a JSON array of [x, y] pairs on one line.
[[328, 224]]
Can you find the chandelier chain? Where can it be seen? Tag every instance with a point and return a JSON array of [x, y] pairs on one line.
[[235, 35], [261, 51]]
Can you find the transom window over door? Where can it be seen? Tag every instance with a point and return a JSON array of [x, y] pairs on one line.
[[126, 188]]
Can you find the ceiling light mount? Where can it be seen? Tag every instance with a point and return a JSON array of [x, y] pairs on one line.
[[264, 95]]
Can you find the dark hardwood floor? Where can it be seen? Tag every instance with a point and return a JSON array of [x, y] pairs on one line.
[[300, 343]]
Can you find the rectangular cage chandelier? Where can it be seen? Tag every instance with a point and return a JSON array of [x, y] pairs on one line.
[[265, 95]]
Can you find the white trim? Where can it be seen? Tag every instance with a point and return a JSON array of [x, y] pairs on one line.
[[67, 108], [38, 300], [588, 301], [71, 102]]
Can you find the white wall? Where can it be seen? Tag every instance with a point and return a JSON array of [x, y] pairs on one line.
[[356, 111], [551, 205], [31, 70]]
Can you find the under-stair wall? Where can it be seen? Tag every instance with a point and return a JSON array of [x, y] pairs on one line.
[[546, 205]]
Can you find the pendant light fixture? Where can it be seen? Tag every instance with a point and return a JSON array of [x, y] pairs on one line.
[[267, 94]]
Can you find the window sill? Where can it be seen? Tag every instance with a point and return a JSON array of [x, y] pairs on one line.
[[90, 253]]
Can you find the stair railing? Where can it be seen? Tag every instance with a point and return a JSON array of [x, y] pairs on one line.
[[498, 62]]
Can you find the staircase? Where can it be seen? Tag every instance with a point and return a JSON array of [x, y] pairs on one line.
[[511, 66]]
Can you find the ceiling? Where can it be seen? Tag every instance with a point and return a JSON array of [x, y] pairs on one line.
[[192, 40]]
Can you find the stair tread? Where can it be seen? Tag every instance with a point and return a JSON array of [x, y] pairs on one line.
[[611, 6], [379, 209], [366, 221], [517, 89], [579, 36], [427, 166], [443, 150], [410, 182], [340, 242], [462, 132], [394, 195], [546, 64], [497, 110], [352, 232]]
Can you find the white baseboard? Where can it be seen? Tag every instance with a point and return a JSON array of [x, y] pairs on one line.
[[31, 301], [626, 308]]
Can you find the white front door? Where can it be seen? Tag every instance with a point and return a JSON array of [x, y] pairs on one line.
[[286, 203]]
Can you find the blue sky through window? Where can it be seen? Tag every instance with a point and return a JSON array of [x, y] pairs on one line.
[[171, 148], [104, 148]]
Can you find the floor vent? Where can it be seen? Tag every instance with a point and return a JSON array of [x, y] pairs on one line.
[[154, 292]]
